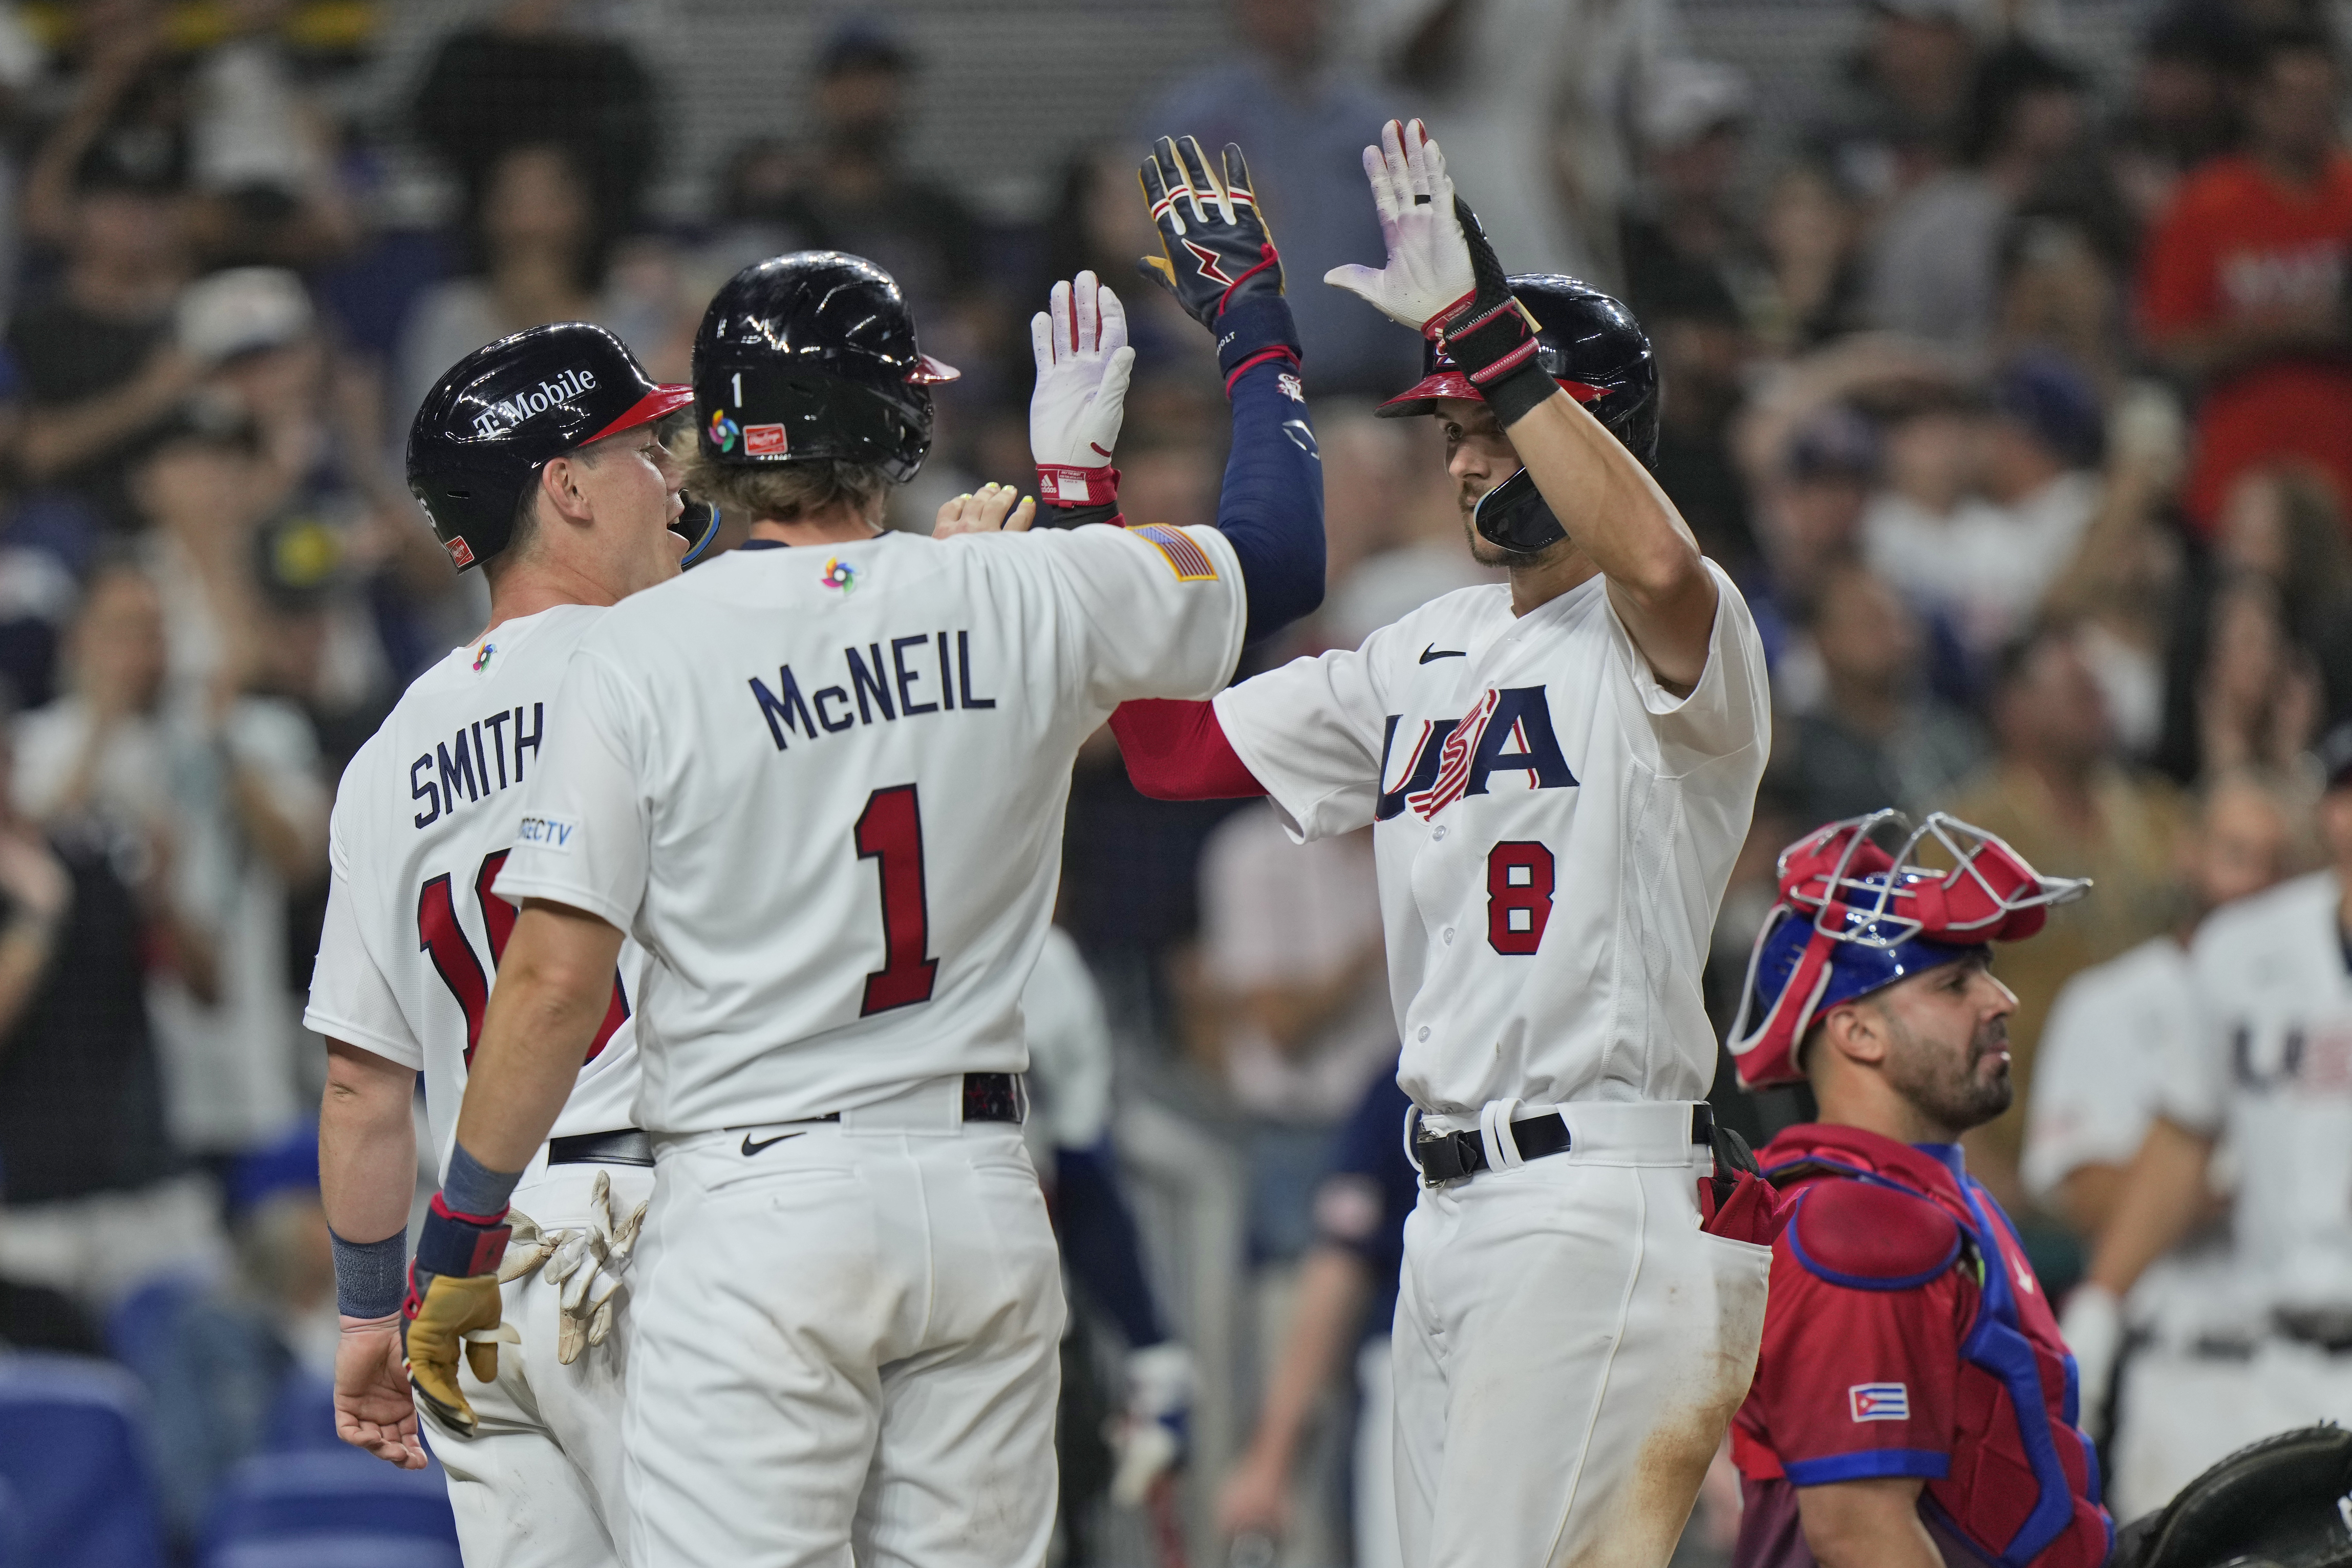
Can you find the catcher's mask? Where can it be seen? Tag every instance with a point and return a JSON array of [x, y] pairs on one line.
[[1853, 918]]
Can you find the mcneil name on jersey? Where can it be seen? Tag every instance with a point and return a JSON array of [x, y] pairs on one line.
[[483, 758], [916, 675]]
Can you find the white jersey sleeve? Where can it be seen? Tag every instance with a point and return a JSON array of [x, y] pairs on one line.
[[1314, 732], [1730, 708], [351, 1001], [584, 838], [2113, 1036], [1154, 611], [1069, 1046]]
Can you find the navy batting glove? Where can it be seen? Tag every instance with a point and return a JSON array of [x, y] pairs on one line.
[[1217, 253]]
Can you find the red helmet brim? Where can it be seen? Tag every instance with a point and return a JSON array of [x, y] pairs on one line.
[[662, 401], [1422, 395], [931, 372]]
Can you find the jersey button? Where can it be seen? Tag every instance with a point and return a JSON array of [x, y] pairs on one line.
[[1438, 834], [1424, 1031], [1449, 935]]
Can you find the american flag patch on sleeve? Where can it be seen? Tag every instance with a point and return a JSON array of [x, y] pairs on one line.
[[1880, 1401], [1188, 560]]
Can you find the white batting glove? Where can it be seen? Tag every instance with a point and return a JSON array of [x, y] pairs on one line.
[[1152, 1434], [1428, 271], [1083, 366], [589, 1262], [2093, 1328]]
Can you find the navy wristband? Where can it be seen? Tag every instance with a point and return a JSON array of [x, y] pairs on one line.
[[1520, 393], [371, 1277], [1249, 327], [472, 1187]]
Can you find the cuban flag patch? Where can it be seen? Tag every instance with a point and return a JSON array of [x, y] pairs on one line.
[[1880, 1401]]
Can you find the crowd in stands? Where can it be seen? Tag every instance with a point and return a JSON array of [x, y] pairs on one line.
[[2019, 407]]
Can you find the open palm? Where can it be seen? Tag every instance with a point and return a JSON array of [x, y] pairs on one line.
[[373, 1409]]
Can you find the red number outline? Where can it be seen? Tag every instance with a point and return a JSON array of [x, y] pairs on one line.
[[890, 832], [1504, 898]]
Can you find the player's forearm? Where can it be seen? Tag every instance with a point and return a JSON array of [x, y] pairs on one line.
[[367, 1143], [554, 984], [1271, 508], [1332, 1288], [2163, 1198], [1869, 1523]]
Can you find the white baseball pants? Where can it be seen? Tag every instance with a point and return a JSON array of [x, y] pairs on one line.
[[539, 1485], [848, 1347], [1569, 1348], [2179, 1413]]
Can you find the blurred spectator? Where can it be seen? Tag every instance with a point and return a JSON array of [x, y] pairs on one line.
[[529, 78], [96, 1194], [541, 256], [101, 373], [233, 1359], [2059, 297], [2258, 701], [221, 788], [2180, 113], [1346, 1301], [864, 199], [1290, 937], [2057, 794], [760, 210], [2113, 1025], [127, 125], [1933, 268], [1305, 124], [1392, 475], [2242, 289], [1985, 561], [1878, 737], [1811, 233], [1098, 226], [1687, 248], [1532, 94], [1906, 93], [261, 155]]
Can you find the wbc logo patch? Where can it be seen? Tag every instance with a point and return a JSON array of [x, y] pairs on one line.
[[1880, 1401]]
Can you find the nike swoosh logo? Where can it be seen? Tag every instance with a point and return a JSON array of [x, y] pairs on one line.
[[1433, 652], [752, 1148]]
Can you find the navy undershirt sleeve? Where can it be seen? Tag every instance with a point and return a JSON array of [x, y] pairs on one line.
[[1271, 509], [1099, 1239]]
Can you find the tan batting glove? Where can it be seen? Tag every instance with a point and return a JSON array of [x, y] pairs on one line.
[[456, 1311], [587, 1262]]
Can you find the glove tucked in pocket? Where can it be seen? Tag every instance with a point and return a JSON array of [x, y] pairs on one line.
[[1736, 1202]]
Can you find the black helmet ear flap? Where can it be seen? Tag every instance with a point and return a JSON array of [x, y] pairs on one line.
[[1515, 516], [698, 525]]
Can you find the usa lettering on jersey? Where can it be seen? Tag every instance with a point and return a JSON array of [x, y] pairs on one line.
[[1509, 730], [869, 684], [436, 776]]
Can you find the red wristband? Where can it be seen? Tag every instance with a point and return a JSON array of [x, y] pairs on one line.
[[1059, 484]]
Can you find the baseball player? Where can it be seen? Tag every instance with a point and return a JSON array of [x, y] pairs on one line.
[[538, 459], [821, 782], [1558, 772], [1914, 1404], [2268, 1067]]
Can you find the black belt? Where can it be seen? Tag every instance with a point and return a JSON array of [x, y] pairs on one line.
[[627, 1148], [1450, 1156]]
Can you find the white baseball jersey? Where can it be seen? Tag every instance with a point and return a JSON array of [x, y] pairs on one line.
[[1553, 829], [2273, 1070], [1070, 1056], [824, 787], [423, 818]]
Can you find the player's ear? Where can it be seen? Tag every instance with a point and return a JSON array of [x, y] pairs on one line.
[[1852, 1032], [559, 485]]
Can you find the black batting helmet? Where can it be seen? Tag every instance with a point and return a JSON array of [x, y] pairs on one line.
[[498, 415], [813, 356], [1590, 344]]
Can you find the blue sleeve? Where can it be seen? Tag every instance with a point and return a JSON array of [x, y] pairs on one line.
[[1098, 1238], [1271, 509]]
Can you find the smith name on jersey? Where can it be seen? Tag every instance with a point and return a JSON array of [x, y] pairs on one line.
[[423, 821], [1553, 830]]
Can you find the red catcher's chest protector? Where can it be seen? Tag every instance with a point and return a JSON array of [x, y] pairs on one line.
[[2023, 1489]]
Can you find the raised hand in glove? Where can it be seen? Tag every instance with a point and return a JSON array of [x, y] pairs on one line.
[[1442, 277], [588, 1261], [1217, 255], [1152, 1434], [453, 1306], [1082, 365]]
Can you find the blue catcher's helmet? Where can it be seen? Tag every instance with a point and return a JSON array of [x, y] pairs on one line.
[[1852, 919]]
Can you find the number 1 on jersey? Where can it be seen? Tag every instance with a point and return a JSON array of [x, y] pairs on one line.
[[891, 830]]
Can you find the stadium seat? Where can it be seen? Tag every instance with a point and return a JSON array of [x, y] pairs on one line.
[[139, 1327], [69, 1453], [342, 1495], [13, 1551], [302, 1417]]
